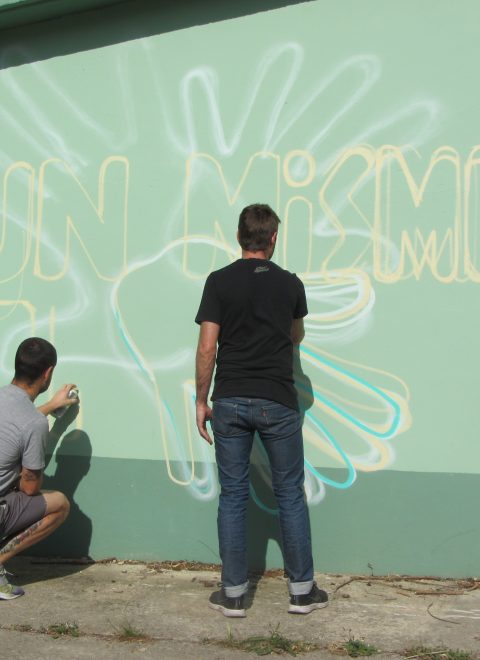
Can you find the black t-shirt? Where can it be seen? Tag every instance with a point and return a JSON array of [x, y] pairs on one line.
[[254, 302]]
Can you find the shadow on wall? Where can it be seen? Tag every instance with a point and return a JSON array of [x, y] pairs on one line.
[[72, 539], [263, 522]]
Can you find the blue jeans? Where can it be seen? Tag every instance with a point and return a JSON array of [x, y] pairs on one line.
[[235, 420]]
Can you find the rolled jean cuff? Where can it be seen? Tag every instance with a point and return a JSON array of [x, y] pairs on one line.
[[300, 588], [237, 591]]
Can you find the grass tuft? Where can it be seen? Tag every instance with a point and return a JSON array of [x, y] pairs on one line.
[[353, 647], [126, 632], [275, 643], [62, 629]]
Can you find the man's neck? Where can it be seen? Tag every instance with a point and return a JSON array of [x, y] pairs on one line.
[[31, 390], [260, 254]]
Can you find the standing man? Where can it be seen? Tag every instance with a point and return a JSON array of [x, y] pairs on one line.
[[26, 514], [254, 310]]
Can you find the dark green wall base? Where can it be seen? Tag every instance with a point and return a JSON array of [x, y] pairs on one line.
[[396, 522]]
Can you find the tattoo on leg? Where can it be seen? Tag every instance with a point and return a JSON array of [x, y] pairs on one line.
[[13, 543]]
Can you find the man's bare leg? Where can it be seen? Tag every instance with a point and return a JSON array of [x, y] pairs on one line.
[[56, 513]]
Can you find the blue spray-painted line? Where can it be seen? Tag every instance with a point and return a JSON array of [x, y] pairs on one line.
[[352, 474], [343, 413], [127, 343]]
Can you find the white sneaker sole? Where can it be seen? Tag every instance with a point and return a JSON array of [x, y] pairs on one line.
[[239, 614], [4, 596], [306, 609]]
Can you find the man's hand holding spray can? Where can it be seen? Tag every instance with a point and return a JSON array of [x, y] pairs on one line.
[[72, 394]]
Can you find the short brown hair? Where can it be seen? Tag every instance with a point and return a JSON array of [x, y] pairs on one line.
[[256, 226]]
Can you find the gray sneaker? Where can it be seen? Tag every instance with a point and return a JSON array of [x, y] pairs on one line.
[[8, 591], [306, 603]]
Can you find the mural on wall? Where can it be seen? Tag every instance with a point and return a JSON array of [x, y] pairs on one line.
[[120, 193]]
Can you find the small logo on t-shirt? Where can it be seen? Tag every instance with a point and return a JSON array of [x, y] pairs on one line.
[[261, 269]]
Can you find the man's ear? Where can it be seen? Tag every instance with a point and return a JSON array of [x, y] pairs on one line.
[[47, 374], [273, 240]]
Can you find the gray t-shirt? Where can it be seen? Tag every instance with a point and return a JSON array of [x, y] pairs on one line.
[[23, 436]]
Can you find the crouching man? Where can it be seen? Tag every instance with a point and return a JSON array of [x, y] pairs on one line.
[[26, 514]]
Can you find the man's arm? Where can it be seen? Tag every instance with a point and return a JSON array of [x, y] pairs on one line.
[[30, 481], [58, 400], [205, 363], [298, 331]]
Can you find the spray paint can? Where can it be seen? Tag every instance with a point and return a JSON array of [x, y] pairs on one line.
[[59, 412]]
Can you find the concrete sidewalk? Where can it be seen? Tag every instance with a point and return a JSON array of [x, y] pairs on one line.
[[100, 601]]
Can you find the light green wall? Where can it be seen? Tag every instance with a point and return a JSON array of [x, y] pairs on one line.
[[124, 169]]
